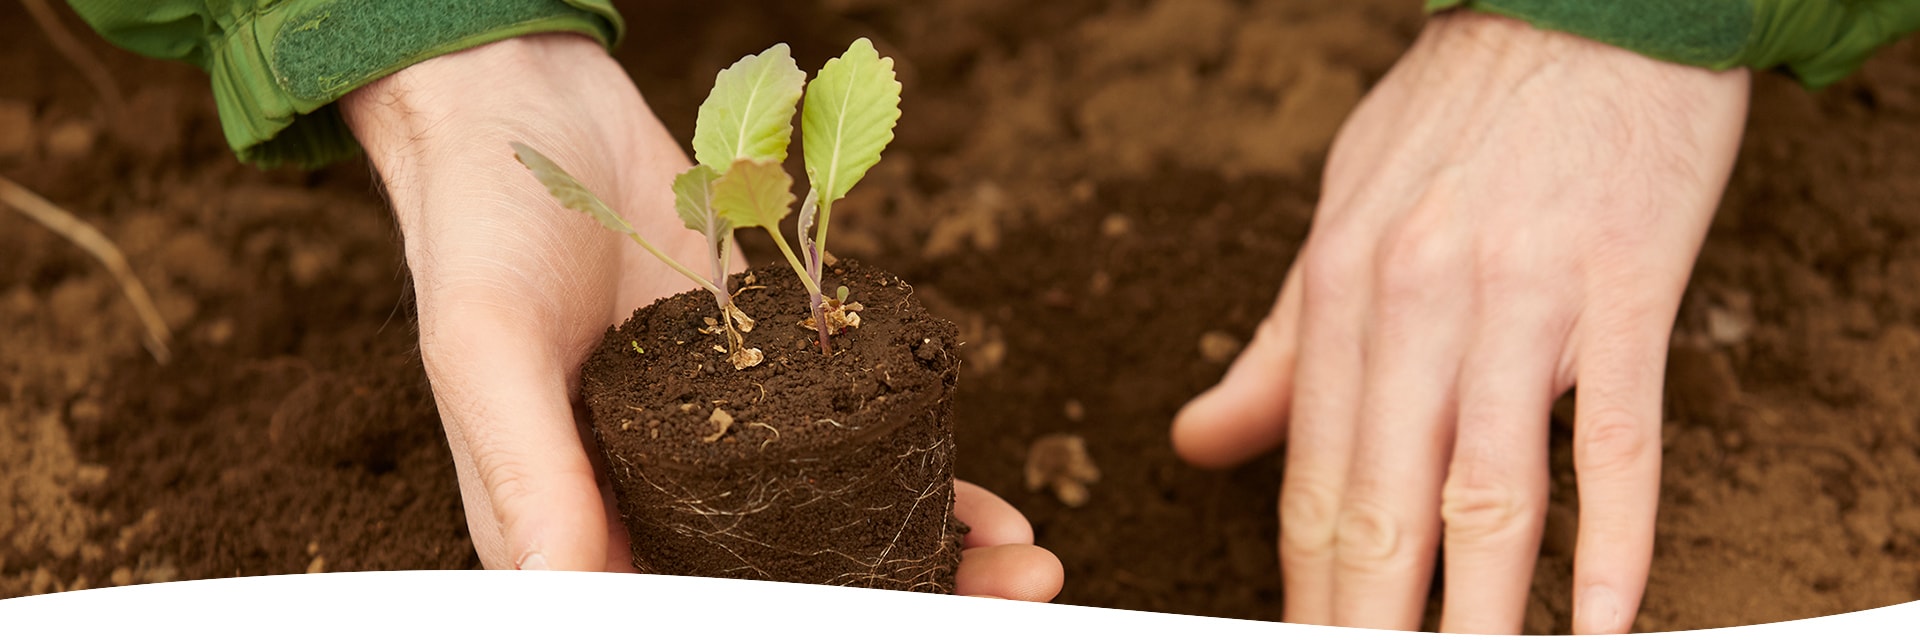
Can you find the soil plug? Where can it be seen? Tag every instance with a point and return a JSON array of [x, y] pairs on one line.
[[834, 483]]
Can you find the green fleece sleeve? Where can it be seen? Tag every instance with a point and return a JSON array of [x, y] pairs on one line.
[[277, 66], [1820, 41]]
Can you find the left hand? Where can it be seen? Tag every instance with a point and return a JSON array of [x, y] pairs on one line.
[[514, 291]]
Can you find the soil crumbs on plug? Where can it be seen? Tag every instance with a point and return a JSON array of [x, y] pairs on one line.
[[807, 468]]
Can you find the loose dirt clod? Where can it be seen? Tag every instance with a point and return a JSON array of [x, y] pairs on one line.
[[1219, 347], [721, 422], [1060, 462]]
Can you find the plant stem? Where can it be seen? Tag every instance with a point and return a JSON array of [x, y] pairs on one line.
[[816, 265], [820, 235], [703, 282], [719, 255], [798, 269]]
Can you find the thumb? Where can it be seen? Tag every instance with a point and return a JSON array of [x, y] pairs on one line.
[[1245, 415], [530, 493]]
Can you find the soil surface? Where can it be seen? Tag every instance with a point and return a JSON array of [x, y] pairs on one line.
[[827, 469], [1103, 196]]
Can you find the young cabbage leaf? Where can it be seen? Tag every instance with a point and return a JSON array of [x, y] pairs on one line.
[[573, 195], [852, 106], [568, 191], [693, 200], [749, 113], [760, 194]]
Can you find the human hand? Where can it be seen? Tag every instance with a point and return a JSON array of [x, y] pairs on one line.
[[1511, 212], [514, 292]]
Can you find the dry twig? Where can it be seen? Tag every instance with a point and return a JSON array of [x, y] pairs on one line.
[[92, 241], [91, 67]]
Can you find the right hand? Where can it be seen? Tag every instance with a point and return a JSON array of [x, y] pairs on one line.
[[1510, 212]]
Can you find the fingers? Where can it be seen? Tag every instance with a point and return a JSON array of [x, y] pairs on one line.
[[991, 520], [1000, 560], [1616, 456], [529, 490], [1245, 415], [1009, 571], [1389, 522], [1326, 401], [1494, 501]]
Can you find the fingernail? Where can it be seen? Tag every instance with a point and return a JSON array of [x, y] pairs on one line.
[[533, 561], [1598, 611]]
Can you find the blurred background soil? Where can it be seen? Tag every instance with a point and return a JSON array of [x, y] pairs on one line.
[[1103, 195]]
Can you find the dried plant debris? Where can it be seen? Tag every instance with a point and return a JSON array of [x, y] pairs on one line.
[[1059, 462]]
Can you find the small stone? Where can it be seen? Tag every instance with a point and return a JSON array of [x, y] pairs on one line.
[[313, 547], [1075, 411], [1100, 284], [89, 476], [220, 331], [1116, 225], [71, 139], [121, 577], [85, 411], [1219, 347], [318, 565], [1731, 319], [1082, 192]]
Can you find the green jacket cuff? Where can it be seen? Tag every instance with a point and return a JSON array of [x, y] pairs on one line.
[[1819, 41], [278, 66]]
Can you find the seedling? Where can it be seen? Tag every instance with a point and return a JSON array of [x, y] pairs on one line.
[[740, 141]]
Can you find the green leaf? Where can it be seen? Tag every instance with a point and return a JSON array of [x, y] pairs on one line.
[[567, 190], [749, 113], [693, 199], [851, 108], [754, 194]]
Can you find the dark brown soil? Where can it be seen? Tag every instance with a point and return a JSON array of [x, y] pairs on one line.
[[806, 468], [1091, 191]]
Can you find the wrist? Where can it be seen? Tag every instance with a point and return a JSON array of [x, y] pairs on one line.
[[1505, 50], [445, 123]]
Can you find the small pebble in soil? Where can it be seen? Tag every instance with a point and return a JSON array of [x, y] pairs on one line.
[[1082, 192], [71, 139], [318, 565], [1219, 347], [1731, 320], [1074, 411], [1060, 462], [1116, 225]]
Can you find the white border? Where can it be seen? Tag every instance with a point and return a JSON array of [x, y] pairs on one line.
[[530, 605]]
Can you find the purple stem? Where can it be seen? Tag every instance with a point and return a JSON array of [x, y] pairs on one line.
[[815, 298]]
